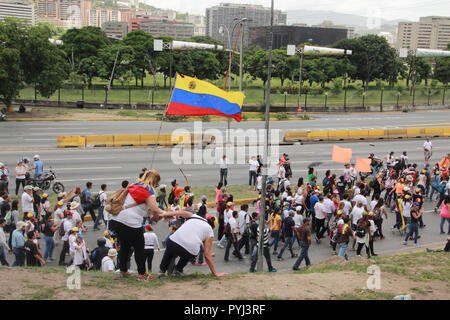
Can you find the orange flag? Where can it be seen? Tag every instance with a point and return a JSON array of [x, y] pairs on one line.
[[341, 154], [363, 165]]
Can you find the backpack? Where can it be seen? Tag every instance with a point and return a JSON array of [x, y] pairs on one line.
[[83, 197], [8, 217], [114, 205], [281, 185], [228, 229], [61, 229], [442, 187], [171, 198], [360, 232], [96, 203]]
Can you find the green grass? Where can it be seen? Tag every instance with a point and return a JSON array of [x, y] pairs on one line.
[[41, 294], [365, 295], [254, 94]]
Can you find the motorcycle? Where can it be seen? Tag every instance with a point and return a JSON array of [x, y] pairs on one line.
[[48, 180], [2, 115]]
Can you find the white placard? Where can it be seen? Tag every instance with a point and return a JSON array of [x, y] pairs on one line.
[[291, 49], [403, 52], [310, 50], [157, 45]]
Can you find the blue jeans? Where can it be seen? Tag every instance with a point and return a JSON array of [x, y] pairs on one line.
[[251, 177], [442, 224], [289, 242], [49, 246], [303, 255], [254, 255], [343, 250], [100, 215], [276, 236], [413, 228], [20, 257]]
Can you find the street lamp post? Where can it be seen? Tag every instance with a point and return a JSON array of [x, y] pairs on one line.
[[221, 28]]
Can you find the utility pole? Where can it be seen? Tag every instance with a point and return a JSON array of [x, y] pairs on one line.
[[266, 153], [241, 52]]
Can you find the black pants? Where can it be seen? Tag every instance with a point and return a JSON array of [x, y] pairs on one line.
[[243, 241], [18, 183], [148, 254], [235, 245], [174, 250], [360, 246], [129, 237], [320, 227], [91, 212], [64, 251], [379, 223], [220, 230]]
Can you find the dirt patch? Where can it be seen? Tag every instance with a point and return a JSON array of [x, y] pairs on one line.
[[19, 283]]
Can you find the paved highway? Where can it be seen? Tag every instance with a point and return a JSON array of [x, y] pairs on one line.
[[44, 133]]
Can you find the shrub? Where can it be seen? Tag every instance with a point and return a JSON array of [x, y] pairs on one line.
[[336, 86], [244, 117], [206, 118], [175, 118], [282, 116]]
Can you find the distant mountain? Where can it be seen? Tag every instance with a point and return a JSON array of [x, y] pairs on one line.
[[314, 17]]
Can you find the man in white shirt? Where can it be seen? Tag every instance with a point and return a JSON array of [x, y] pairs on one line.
[[427, 150], [360, 198], [108, 262], [321, 219], [243, 220], [27, 199], [223, 170], [329, 207], [254, 164], [232, 237], [357, 213]]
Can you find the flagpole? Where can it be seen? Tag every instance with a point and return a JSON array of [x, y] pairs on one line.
[[162, 120], [265, 154]]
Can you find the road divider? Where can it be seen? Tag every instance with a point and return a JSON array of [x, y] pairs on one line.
[[133, 140], [351, 135]]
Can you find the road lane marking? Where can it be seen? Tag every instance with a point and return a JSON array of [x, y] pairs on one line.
[[88, 168]]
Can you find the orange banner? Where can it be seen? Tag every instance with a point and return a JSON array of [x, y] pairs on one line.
[[363, 165], [341, 154]]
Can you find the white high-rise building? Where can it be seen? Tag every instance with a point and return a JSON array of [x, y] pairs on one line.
[[18, 9], [429, 33]]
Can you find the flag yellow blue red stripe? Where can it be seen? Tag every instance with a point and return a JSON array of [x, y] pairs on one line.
[[193, 97]]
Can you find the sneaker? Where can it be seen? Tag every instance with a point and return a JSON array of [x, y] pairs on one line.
[[294, 255], [142, 277], [374, 255], [220, 246], [442, 232], [195, 263], [161, 274], [213, 254], [125, 274], [280, 258], [252, 271], [295, 269], [226, 260], [203, 264], [405, 243], [273, 270], [178, 273], [51, 259], [416, 245]]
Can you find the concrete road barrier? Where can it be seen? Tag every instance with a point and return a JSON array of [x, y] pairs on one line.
[[100, 141], [70, 141], [126, 140], [349, 135]]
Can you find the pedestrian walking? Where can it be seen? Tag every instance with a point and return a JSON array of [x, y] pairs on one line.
[[266, 251], [102, 196], [304, 235], [17, 244], [223, 170], [232, 232], [289, 229], [344, 233], [445, 215], [414, 225]]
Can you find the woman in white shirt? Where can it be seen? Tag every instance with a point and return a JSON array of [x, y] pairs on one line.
[[127, 225], [80, 252], [151, 243], [20, 176], [254, 164]]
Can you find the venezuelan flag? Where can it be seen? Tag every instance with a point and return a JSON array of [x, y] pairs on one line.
[[193, 97]]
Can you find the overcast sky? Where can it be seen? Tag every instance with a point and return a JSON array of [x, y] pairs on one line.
[[387, 9]]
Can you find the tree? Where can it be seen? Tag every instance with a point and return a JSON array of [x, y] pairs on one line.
[[423, 67], [83, 43], [121, 65], [256, 65], [142, 44], [371, 55], [10, 74], [280, 67], [442, 72], [205, 64]]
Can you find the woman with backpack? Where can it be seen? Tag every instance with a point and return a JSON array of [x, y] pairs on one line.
[[378, 211], [140, 201], [363, 234]]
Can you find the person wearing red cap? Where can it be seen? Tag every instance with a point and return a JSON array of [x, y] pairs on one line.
[[151, 242]]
